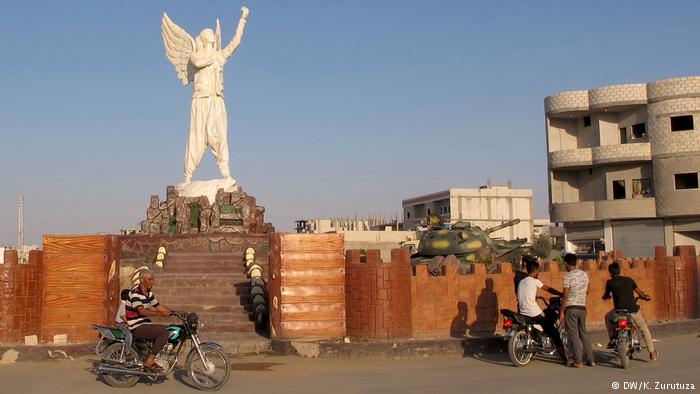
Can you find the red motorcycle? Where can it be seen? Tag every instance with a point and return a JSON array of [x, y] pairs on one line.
[[626, 340]]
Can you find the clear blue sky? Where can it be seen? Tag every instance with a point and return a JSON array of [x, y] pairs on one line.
[[335, 107]]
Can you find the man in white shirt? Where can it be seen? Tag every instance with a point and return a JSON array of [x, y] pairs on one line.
[[120, 319], [527, 304]]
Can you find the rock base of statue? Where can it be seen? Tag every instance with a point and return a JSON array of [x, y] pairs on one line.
[[217, 206]]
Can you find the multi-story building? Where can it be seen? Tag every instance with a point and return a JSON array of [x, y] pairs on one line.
[[485, 207], [623, 165]]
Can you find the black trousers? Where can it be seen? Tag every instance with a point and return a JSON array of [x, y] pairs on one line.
[[158, 333]]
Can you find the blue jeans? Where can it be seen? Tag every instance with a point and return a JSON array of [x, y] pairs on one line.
[[128, 337]]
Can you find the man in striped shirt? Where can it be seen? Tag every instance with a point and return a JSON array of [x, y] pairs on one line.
[[143, 304], [576, 287]]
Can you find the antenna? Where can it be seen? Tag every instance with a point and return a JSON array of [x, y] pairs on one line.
[[20, 229]]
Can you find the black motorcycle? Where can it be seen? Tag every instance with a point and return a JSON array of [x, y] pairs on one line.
[[526, 339], [626, 340], [207, 364]]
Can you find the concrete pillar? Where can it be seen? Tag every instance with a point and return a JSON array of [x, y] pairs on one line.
[[669, 241], [608, 235]]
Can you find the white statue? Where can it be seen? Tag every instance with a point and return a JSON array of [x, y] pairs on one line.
[[201, 62]]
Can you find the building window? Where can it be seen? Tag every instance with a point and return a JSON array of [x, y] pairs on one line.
[[623, 135], [618, 190], [639, 131], [428, 211], [686, 181], [408, 215], [682, 123], [586, 121], [642, 188]]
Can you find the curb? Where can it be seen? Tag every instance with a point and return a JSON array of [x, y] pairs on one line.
[[467, 346], [400, 348]]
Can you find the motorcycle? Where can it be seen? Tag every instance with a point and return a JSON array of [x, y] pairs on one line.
[[207, 364], [625, 342], [526, 339]]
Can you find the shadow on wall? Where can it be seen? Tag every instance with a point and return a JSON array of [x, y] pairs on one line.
[[459, 326], [486, 315], [486, 312]]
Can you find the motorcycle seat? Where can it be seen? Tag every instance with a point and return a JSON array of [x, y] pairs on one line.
[[109, 332], [513, 315]]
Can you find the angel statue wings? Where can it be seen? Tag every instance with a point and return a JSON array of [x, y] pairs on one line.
[[201, 62]]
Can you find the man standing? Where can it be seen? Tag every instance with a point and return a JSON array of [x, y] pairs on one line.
[[143, 304], [527, 305], [622, 289], [574, 307]]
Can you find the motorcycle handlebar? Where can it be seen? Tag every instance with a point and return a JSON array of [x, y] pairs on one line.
[[177, 314]]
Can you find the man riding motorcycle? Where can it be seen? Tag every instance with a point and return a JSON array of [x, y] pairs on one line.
[[622, 289], [528, 307], [143, 304]]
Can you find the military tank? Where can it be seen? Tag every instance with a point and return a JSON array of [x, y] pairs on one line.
[[468, 243]]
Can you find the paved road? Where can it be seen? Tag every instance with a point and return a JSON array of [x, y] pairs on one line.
[[679, 362]]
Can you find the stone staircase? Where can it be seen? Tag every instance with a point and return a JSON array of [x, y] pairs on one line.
[[214, 285]]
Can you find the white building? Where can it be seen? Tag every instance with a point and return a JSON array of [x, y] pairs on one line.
[[485, 207], [365, 233], [624, 164]]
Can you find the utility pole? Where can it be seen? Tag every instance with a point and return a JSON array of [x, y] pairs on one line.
[[20, 229]]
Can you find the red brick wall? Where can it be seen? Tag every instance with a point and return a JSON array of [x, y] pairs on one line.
[[378, 295], [20, 296], [677, 281], [454, 303]]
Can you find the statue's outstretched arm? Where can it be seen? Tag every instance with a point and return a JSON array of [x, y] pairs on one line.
[[231, 47]]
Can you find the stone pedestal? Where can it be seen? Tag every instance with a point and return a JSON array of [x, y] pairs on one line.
[[183, 213]]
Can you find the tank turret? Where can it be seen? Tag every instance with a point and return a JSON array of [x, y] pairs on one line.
[[468, 243]]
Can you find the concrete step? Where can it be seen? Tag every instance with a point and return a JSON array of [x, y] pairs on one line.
[[239, 342], [208, 299], [181, 293], [201, 309], [199, 280], [230, 324]]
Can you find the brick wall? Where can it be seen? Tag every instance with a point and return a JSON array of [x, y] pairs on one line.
[[608, 96], [378, 295], [566, 101], [456, 302], [677, 283], [571, 158], [20, 296]]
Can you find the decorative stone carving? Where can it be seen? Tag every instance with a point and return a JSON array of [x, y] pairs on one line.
[[230, 212]]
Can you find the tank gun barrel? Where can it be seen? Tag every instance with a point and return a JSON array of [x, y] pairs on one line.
[[502, 225]]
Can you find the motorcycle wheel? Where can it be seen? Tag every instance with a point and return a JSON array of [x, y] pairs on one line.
[[213, 374], [113, 352], [564, 337], [622, 352], [516, 349]]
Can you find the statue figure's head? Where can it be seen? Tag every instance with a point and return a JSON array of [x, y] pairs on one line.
[[207, 38], [154, 201]]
